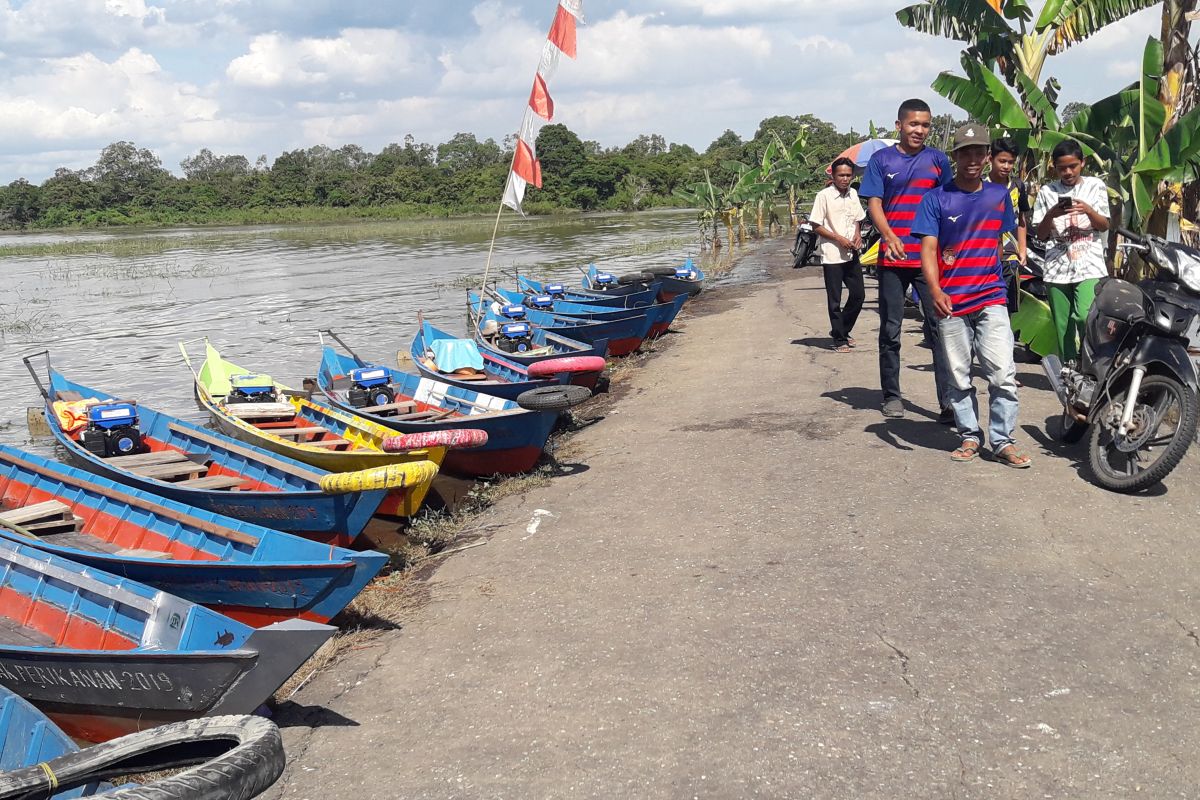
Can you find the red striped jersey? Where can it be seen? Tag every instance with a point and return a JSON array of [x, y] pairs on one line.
[[901, 181], [968, 227]]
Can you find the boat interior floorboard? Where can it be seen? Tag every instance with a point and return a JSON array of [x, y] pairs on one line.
[[14, 633], [80, 541]]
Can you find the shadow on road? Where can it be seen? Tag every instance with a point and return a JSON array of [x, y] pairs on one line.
[[1076, 453], [909, 434]]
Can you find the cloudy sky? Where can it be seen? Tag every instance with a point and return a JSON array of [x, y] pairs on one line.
[[263, 76]]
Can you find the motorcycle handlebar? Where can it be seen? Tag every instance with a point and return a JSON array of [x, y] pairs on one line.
[[1134, 237]]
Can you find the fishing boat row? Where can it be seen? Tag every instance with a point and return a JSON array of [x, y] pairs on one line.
[[165, 570]]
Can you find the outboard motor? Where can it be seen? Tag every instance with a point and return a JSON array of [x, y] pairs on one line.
[[251, 388], [113, 430], [513, 311], [685, 273], [542, 302], [604, 280], [371, 387], [556, 291], [515, 337]]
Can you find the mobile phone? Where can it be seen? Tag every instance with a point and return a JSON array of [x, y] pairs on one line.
[[1065, 201]]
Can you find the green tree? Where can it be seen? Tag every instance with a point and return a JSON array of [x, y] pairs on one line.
[[125, 173]]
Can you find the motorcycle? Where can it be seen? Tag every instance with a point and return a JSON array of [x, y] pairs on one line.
[[1134, 387]]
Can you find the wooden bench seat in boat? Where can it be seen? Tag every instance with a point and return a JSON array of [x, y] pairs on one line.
[[212, 482], [259, 410], [424, 416], [407, 405], [171, 470], [146, 459], [328, 443], [298, 431], [37, 511]]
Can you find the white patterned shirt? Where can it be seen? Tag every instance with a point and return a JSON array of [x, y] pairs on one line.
[[1076, 250]]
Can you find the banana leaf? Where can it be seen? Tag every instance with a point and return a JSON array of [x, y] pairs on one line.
[[1033, 326]]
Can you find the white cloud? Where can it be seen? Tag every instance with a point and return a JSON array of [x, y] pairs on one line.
[[356, 57], [41, 28]]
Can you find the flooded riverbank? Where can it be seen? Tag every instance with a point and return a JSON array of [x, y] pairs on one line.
[[112, 306]]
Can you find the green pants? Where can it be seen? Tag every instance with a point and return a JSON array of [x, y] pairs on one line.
[[1069, 306]]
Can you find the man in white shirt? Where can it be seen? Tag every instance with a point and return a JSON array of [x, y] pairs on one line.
[[836, 217]]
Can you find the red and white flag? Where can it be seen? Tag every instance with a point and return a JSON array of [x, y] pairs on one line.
[[559, 42]]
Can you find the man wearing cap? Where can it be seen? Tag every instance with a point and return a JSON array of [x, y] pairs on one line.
[[960, 226]]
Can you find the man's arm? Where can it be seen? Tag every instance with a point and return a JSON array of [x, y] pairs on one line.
[[894, 248], [942, 303], [1022, 239]]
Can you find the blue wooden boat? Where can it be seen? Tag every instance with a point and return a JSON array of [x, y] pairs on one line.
[[206, 469], [632, 299], [624, 335], [534, 344], [28, 737], [605, 283], [687, 279], [661, 314], [515, 436], [502, 376], [104, 656], [254, 574]]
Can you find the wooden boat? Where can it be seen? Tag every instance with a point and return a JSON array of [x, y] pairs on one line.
[[254, 574], [624, 335], [515, 436], [211, 471], [333, 440], [502, 376], [28, 737], [104, 656], [687, 279], [609, 285], [661, 314], [537, 344], [646, 297]]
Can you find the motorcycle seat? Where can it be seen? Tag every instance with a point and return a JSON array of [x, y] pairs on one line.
[[1121, 300]]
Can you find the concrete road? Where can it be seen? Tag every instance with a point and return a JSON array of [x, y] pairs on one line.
[[752, 585]]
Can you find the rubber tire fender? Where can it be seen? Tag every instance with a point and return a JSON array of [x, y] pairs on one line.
[[662, 272], [220, 772], [635, 277], [553, 398]]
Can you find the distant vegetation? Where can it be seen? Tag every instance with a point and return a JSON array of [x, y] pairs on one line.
[[128, 185]]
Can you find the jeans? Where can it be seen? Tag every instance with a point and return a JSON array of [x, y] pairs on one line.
[[893, 286], [1069, 307], [987, 334], [842, 319]]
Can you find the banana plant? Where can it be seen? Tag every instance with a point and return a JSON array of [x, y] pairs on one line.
[[791, 170], [1008, 35], [709, 202]]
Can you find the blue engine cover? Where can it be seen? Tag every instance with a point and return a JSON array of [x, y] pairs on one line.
[[555, 288], [250, 384], [369, 376], [686, 274], [516, 330], [513, 311], [542, 301], [605, 278], [112, 415]]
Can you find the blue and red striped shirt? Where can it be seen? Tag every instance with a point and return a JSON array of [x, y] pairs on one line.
[[901, 181], [968, 227]]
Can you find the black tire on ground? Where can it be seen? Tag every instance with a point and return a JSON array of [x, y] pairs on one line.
[[665, 272], [553, 398], [635, 277], [236, 758], [1067, 429], [1106, 474]]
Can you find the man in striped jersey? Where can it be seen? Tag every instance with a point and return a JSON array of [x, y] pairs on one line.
[[961, 226], [896, 180]]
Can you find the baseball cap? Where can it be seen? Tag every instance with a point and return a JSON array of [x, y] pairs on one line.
[[970, 135]]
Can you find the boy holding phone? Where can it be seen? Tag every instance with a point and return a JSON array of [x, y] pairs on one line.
[[1071, 215]]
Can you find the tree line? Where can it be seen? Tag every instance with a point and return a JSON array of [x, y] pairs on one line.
[[128, 184]]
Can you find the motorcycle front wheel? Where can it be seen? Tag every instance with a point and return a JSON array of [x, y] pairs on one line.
[[1163, 427]]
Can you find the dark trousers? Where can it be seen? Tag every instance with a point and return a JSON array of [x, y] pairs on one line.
[[894, 284], [842, 319]]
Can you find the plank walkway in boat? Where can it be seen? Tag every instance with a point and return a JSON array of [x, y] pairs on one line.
[[14, 633]]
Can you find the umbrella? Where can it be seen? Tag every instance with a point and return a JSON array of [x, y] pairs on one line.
[[861, 153]]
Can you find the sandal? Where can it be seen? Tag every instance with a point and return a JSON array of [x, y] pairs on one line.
[[852, 342], [967, 451], [841, 348], [1010, 456]]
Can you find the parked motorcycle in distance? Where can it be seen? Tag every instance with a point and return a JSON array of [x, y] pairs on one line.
[[1134, 386]]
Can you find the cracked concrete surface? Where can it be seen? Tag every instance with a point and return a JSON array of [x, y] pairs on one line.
[[753, 586]]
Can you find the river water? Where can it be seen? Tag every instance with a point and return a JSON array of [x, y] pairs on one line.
[[112, 308]]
